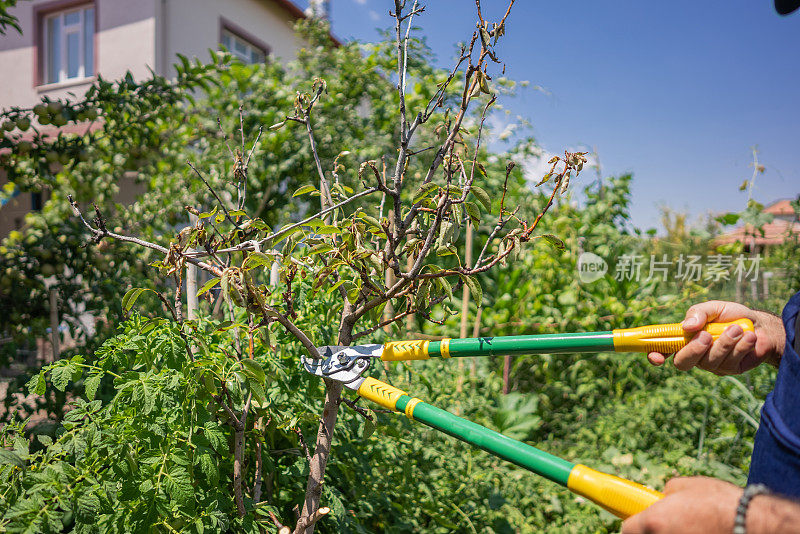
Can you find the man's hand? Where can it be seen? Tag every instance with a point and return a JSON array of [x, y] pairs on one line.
[[691, 505], [701, 505], [735, 351]]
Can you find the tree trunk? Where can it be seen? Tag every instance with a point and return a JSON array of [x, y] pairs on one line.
[[327, 423], [333, 391]]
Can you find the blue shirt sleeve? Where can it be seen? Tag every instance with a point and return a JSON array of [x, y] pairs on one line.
[[776, 452]]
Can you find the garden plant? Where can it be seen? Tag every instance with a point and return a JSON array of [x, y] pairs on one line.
[[350, 197]]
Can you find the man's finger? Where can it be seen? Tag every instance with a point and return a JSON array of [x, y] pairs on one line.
[[722, 349], [656, 358], [743, 357], [688, 356], [635, 524], [698, 315], [740, 356], [696, 318]]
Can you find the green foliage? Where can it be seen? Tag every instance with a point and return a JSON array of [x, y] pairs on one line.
[[613, 412], [154, 454], [137, 119], [167, 419], [7, 19], [151, 128]]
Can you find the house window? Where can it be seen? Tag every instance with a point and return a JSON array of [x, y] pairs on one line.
[[68, 45], [242, 48]]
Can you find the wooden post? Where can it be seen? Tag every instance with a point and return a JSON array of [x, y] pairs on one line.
[[465, 289], [464, 305], [476, 332], [191, 292], [753, 282], [274, 274], [54, 323], [191, 282], [506, 373]]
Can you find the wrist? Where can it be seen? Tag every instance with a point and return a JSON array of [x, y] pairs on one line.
[[771, 327], [747, 519], [768, 514], [758, 515]]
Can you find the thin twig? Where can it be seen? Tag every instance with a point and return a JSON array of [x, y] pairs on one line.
[[358, 409], [228, 411], [251, 245], [224, 137], [392, 320], [253, 147], [303, 444], [292, 328], [219, 200]]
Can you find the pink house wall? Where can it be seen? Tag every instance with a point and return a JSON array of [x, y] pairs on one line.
[[125, 39]]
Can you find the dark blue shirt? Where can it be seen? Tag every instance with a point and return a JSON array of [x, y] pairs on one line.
[[776, 453]]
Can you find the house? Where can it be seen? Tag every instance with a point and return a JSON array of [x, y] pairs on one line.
[[785, 225], [65, 44], [783, 228]]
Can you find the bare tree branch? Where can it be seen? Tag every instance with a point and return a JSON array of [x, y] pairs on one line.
[[101, 232], [307, 522], [251, 245]]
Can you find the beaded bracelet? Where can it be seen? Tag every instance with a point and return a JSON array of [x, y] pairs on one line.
[[739, 524]]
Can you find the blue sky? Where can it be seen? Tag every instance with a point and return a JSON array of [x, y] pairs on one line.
[[675, 92]]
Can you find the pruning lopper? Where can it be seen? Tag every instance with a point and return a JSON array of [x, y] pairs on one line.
[[621, 497]]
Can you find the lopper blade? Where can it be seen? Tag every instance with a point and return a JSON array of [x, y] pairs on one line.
[[343, 364]]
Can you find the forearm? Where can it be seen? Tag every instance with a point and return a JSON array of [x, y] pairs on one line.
[[769, 514]]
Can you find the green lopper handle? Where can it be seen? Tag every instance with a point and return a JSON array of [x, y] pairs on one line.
[[665, 338], [619, 496]]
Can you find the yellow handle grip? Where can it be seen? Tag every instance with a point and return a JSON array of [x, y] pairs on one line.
[[666, 338], [395, 351], [380, 392], [621, 497]]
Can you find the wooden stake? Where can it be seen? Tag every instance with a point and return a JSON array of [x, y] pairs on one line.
[[464, 305], [506, 372], [54, 323], [465, 289], [191, 283], [476, 332]]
